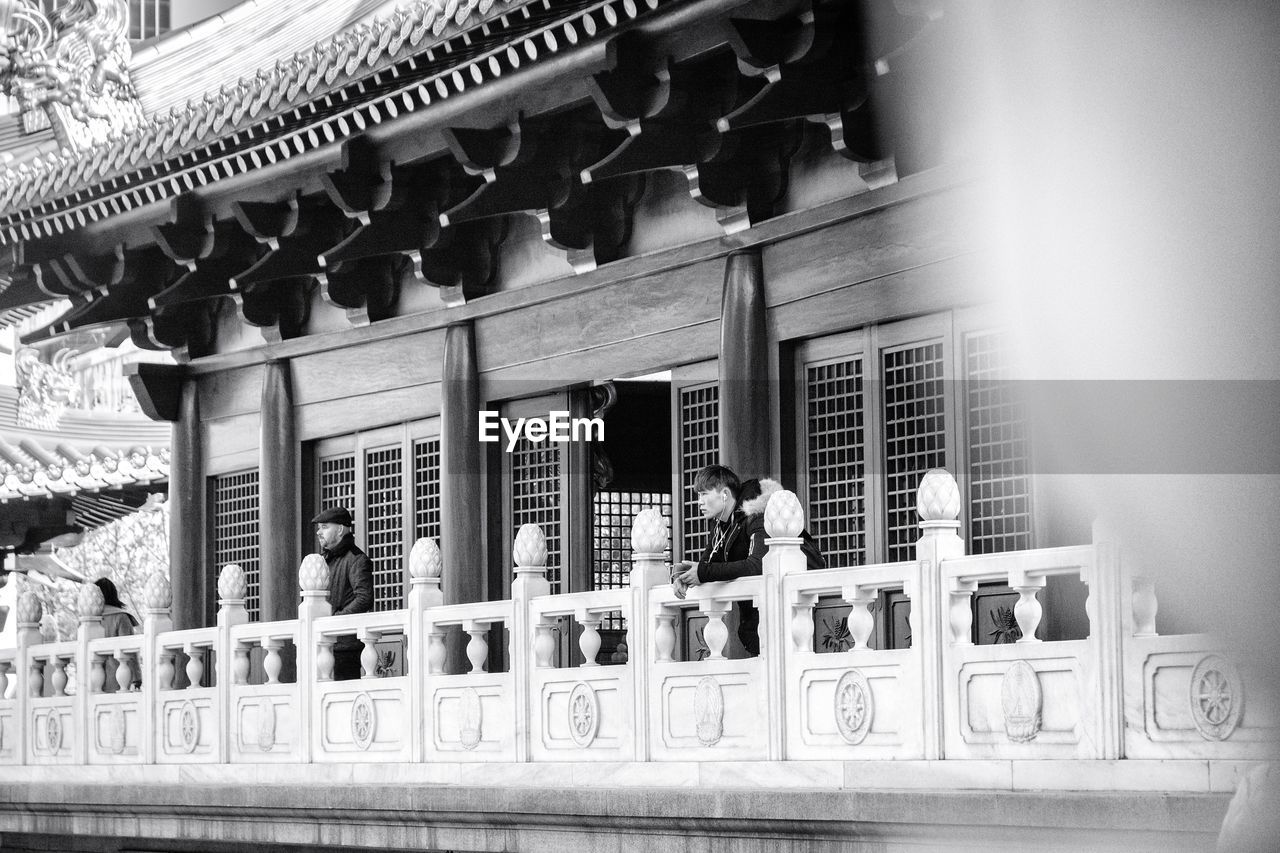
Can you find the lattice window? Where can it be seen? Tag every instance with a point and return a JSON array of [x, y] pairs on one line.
[[535, 497], [338, 482], [148, 18], [836, 467], [426, 489], [236, 536], [999, 489], [915, 436], [611, 539], [384, 524], [699, 447]]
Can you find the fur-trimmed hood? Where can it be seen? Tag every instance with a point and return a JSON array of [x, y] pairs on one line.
[[755, 505]]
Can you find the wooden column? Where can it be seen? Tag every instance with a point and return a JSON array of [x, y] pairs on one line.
[[461, 500], [746, 395], [461, 495], [279, 485], [193, 583]]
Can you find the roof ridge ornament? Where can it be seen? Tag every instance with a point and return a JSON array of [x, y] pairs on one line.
[[69, 70]]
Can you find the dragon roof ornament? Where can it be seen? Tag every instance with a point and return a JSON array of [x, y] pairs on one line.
[[69, 70]]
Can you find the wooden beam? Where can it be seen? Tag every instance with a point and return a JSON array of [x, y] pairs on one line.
[[158, 388]]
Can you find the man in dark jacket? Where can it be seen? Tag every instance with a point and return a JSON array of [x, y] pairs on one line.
[[350, 583], [737, 546]]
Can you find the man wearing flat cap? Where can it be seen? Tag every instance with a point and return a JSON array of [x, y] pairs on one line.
[[350, 583]]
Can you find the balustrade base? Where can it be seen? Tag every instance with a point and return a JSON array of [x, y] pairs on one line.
[[707, 806]]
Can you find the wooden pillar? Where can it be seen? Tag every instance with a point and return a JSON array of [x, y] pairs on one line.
[[746, 395], [461, 494], [193, 584], [278, 494]]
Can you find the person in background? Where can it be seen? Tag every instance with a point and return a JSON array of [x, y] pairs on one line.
[[736, 512], [350, 583], [116, 620]]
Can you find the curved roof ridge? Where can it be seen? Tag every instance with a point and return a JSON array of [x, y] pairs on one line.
[[302, 76]]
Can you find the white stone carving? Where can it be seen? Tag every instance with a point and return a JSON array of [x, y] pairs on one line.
[[53, 731], [1021, 699], [117, 730], [1217, 697], [530, 549], [938, 498], [783, 516], [158, 593], [313, 574], [854, 707], [471, 727], [363, 721], [425, 560], [266, 725], [649, 532], [30, 610], [188, 727], [708, 711], [584, 714], [90, 603], [232, 585]]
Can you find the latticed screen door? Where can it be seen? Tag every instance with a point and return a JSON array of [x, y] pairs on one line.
[[535, 497], [236, 536], [613, 514], [384, 524], [915, 432], [834, 412], [699, 431], [338, 481], [426, 489], [999, 488]]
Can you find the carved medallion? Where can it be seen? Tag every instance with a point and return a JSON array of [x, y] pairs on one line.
[[362, 721], [189, 727], [854, 707], [472, 725], [53, 731], [1021, 699], [266, 725], [708, 711], [584, 714], [1217, 697], [117, 730]]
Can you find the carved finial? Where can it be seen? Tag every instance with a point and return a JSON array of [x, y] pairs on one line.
[[90, 603], [29, 610], [313, 574], [530, 551], [649, 532], [783, 517], [425, 560], [938, 498], [232, 585], [158, 592]]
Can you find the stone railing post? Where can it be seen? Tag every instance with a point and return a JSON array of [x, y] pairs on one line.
[[649, 537], [232, 589], [313, 582], [157, 597], [89, 606], [426, 565], [783, 522], [1105, 608], [530, 556], [30, 681], [932, 607]]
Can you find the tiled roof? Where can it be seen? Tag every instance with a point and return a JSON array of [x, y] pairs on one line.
[[238, 111], [88, 453]]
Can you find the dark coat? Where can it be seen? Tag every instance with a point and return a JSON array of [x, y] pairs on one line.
[[350, 578], [736, 550]]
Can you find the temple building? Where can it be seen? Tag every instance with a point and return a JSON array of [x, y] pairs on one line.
[[500, 277]]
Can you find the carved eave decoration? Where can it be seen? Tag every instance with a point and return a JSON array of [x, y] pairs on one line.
[[396, 155]]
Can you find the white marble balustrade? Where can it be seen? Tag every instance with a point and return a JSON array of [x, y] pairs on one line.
[[224, 695]]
